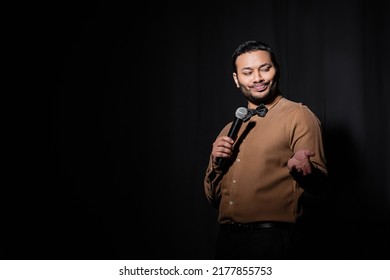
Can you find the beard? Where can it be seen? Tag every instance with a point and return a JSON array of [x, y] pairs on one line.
[[268, 98]]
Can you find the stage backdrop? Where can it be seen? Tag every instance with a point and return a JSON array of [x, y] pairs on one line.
[[127, 101]]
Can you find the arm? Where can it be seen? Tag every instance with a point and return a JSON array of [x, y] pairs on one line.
[[307, 165], [307, 175], [222, 148], [212, 184]]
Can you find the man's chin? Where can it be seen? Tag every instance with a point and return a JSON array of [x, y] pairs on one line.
[[260, 97], [263, 97]]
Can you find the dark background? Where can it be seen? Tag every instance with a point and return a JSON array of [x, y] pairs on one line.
[[121, 103]]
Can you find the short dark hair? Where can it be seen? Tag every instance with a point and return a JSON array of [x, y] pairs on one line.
[[251, 46]]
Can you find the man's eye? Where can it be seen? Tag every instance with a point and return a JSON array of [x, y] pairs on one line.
[[265, 69], [247, 73]]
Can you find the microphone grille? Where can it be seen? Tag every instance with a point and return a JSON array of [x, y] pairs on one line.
[[241, 112]]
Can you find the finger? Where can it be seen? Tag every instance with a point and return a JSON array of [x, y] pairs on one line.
[[227, 139], [222, 151], [306, 169], [309, 153], [225, 150]]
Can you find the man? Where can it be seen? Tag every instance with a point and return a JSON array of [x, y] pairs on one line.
[[257, 179]]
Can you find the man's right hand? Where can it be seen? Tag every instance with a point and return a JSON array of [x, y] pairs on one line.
[[222, 148]]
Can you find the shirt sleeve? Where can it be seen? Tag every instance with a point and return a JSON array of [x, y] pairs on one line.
[[212, 183], [213, 177], [306, 134]]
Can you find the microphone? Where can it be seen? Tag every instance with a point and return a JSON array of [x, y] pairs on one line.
[[237, 122]]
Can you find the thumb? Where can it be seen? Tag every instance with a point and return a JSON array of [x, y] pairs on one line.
[[309, 153]]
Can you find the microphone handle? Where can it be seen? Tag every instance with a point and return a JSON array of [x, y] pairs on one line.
[[232, 134], [219, 161]]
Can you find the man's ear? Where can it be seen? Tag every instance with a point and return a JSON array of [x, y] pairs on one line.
[[236, 80]]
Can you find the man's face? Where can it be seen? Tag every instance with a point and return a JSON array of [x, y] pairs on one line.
[[255, 76]]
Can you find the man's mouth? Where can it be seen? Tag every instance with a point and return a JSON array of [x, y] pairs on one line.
[[260, 87]]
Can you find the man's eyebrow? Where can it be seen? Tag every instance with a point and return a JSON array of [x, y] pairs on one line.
[[261, 66]]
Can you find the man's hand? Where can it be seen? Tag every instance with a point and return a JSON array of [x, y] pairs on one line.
[[300, 161], [222, 148]]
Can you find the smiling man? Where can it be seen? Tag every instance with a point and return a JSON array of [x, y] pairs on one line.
[[277, 155]]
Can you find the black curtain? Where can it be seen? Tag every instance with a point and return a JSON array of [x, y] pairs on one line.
[[125, 101]]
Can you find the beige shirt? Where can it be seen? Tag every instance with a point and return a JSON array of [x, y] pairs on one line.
[[258, 185]]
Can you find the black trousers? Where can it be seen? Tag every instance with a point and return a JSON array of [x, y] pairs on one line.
[[259, 244]]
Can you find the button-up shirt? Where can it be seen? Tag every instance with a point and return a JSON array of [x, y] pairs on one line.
[[257, 184]]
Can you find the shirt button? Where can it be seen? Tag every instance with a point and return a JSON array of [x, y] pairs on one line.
[[234, 181], [231, 202], [238, 160]]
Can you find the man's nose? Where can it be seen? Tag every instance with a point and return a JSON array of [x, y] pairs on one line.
[[257, 76]]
